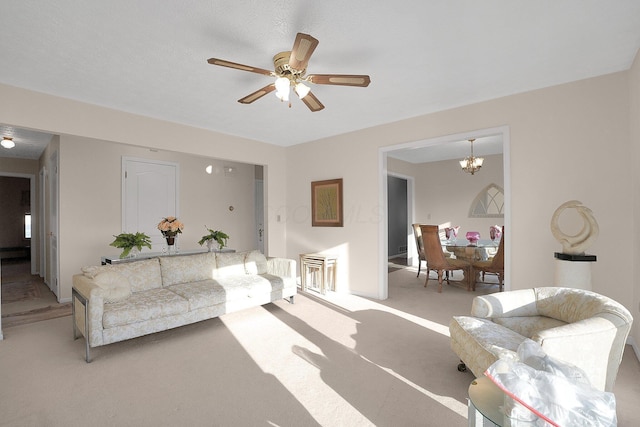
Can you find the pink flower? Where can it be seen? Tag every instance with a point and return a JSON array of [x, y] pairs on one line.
[[170, 225]]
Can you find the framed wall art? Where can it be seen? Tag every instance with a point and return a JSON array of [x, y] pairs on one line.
[[326, 203]]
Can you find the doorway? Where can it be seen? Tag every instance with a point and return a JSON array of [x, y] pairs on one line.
[[440, 144], [24, 295]]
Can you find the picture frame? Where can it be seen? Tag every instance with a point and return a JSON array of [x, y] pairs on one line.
[[326, 203]]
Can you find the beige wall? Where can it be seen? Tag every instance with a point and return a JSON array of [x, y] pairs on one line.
[[566, 142], [74, 121], [91, 209], [634, 116], [444, 193]]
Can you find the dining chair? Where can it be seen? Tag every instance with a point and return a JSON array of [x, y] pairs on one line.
[[494, 265], [436, 259], [417, 233]]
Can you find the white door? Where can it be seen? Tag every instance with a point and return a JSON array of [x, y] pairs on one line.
[[259, 203], [41, 228], [53, 225], [149, 193]]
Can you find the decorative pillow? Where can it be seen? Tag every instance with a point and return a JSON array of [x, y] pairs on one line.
[[92, 271], [116, 287], [255, 263]]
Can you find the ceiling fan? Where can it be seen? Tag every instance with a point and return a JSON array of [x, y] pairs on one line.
[[290, 69]]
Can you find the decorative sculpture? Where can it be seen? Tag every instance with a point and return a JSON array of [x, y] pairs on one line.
[[575, 245]]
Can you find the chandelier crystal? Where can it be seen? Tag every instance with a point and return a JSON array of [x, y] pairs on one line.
[[471, 164]]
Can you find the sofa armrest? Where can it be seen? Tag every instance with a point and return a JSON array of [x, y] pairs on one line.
[[95, 299], [283, 267], [519, 303], [599, 340]]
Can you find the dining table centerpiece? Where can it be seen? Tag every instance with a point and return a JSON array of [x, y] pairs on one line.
[[473, 237], [170, 227]]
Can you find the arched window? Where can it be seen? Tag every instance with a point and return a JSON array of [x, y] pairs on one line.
[[489, 203]]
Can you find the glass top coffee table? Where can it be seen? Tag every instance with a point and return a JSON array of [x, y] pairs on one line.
[[485, 400]]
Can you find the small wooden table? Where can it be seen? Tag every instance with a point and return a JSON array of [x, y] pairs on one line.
[[315, 265]]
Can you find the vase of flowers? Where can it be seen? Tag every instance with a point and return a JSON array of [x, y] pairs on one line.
[[170, 227], [495, 232], [473, 237], [131, 243], [220, 237], [451, 233]]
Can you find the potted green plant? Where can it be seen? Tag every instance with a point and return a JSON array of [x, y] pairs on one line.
[[128, 241], [217, 236]]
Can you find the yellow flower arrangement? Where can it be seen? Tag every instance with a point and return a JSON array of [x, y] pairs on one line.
[[170, 226]]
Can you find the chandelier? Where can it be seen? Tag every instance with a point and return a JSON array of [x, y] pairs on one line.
[[471, 164]]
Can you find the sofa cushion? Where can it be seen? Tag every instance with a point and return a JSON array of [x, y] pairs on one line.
[[255, 263], [230, 264], [187, 268], [143, 306], [528, 326], [204, 293], [143, 275], [115, 286]]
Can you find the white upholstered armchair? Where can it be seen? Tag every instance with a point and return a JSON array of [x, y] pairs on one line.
[[580, 327]]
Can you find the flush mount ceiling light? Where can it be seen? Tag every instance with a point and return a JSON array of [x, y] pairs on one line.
[[7, 142], [471, 164]]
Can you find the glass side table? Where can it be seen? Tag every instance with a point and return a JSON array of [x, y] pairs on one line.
[[485, 400]]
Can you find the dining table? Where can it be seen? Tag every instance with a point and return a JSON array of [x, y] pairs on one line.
[[463, 249]]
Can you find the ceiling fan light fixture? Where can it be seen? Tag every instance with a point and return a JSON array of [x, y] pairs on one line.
[[7, 142], [302, 90], [283, 86]]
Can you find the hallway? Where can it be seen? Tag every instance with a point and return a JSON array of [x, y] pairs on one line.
[[25, 297]]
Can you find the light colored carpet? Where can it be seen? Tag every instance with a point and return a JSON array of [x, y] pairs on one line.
[[335, 361]]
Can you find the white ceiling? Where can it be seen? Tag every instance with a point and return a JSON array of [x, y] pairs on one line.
[[150, 58]]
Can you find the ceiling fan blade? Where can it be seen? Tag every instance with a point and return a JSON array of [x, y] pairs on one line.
[[340, 79], [302, 49], [257, 94], [242, 67], [312, 102]]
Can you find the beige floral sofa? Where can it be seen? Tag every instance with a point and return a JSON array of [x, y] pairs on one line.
[[117, 302], [580, 327]]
